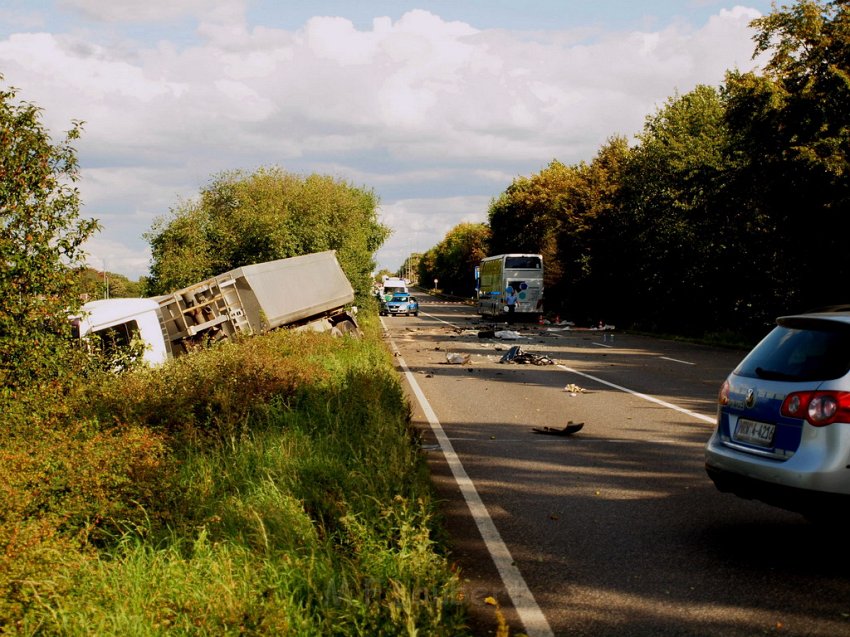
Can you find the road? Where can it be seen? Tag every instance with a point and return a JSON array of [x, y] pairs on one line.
[[615, 530]]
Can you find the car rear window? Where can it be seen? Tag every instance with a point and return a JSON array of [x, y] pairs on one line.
[[820, 351]]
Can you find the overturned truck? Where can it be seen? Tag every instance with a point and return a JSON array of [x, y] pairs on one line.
[[306, 292]]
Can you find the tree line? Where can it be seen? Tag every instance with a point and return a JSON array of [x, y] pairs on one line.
[[242, 218], [729, 208]]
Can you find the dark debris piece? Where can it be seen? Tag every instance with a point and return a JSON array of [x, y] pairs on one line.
[[571, 428], [516, 355]]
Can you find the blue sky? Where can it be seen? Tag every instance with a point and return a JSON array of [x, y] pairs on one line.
[[436, 106]]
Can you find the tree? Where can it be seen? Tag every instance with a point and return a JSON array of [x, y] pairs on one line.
[[589, 238], [665, 215], [180, 249], [41, 239], [426, 270], [93, 284], [270, 214], [452, 261], [790, 151], [410, 266], [527, 217], [553, 213], [810, 62], [384, 273]]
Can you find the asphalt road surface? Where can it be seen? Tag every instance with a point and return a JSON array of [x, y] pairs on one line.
[[614, 530]]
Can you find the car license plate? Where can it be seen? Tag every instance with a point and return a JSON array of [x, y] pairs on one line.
[[754, 433]]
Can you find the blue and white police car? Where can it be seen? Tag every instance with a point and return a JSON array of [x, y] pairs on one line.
[[400, 303]]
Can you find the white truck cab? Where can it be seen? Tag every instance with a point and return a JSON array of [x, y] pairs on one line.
[[121, 319]]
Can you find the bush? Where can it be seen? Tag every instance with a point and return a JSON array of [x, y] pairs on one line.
[[264, 487]]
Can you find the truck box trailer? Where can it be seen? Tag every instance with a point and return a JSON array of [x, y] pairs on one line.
[[309, 291]]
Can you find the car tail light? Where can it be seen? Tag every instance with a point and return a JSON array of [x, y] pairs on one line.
[[723, 395], [818, 408]]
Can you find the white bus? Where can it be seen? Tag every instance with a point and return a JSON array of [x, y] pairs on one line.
[[521, 272]]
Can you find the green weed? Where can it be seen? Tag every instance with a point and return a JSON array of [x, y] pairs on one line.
[[264, 487]]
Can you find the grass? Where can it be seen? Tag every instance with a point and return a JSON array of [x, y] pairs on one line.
[[265, 487]]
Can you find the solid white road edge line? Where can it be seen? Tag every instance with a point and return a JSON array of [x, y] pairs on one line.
[[529, 612], [651, 399]]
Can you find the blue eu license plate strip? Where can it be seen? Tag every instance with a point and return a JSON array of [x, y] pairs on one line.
[[754, 433]]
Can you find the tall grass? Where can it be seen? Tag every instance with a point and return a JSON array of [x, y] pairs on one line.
[[265, 487]]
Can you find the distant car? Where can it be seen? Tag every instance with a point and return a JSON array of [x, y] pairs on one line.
[[783, 425], [400, 303]]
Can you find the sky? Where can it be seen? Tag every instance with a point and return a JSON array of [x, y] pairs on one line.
[[436, 106]]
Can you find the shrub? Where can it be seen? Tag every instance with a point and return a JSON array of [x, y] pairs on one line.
[[264, 487]]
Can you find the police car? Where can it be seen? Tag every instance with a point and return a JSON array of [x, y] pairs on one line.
[[400, 303]]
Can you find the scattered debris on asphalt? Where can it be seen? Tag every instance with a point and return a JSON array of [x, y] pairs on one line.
[[575, 389], [571, 428], [457, 359], [516, 355]]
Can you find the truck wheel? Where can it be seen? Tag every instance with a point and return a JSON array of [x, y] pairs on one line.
[[347, 328]]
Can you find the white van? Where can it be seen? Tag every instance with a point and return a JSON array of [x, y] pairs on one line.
[[391, 286]]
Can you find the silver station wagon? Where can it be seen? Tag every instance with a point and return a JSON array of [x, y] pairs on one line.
[[783, 419]]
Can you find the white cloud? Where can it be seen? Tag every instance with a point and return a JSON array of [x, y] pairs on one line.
[[418, 107], [419, 224], [112, 255]]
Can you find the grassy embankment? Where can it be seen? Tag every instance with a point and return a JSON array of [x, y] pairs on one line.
[[267, 487]]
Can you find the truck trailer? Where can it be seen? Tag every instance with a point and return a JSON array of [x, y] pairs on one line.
[[304, 292]]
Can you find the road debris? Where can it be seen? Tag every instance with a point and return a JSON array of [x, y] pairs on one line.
[[507, 335], [516, 355], [575, 389], [453, 358], [571, 428]]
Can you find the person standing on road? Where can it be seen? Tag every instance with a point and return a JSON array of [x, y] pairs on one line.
[[510, 301]]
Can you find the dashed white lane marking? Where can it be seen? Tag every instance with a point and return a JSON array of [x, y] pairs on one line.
[[529, 612], [676, 360], [652, 399], [439, 319], [638, 394]]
